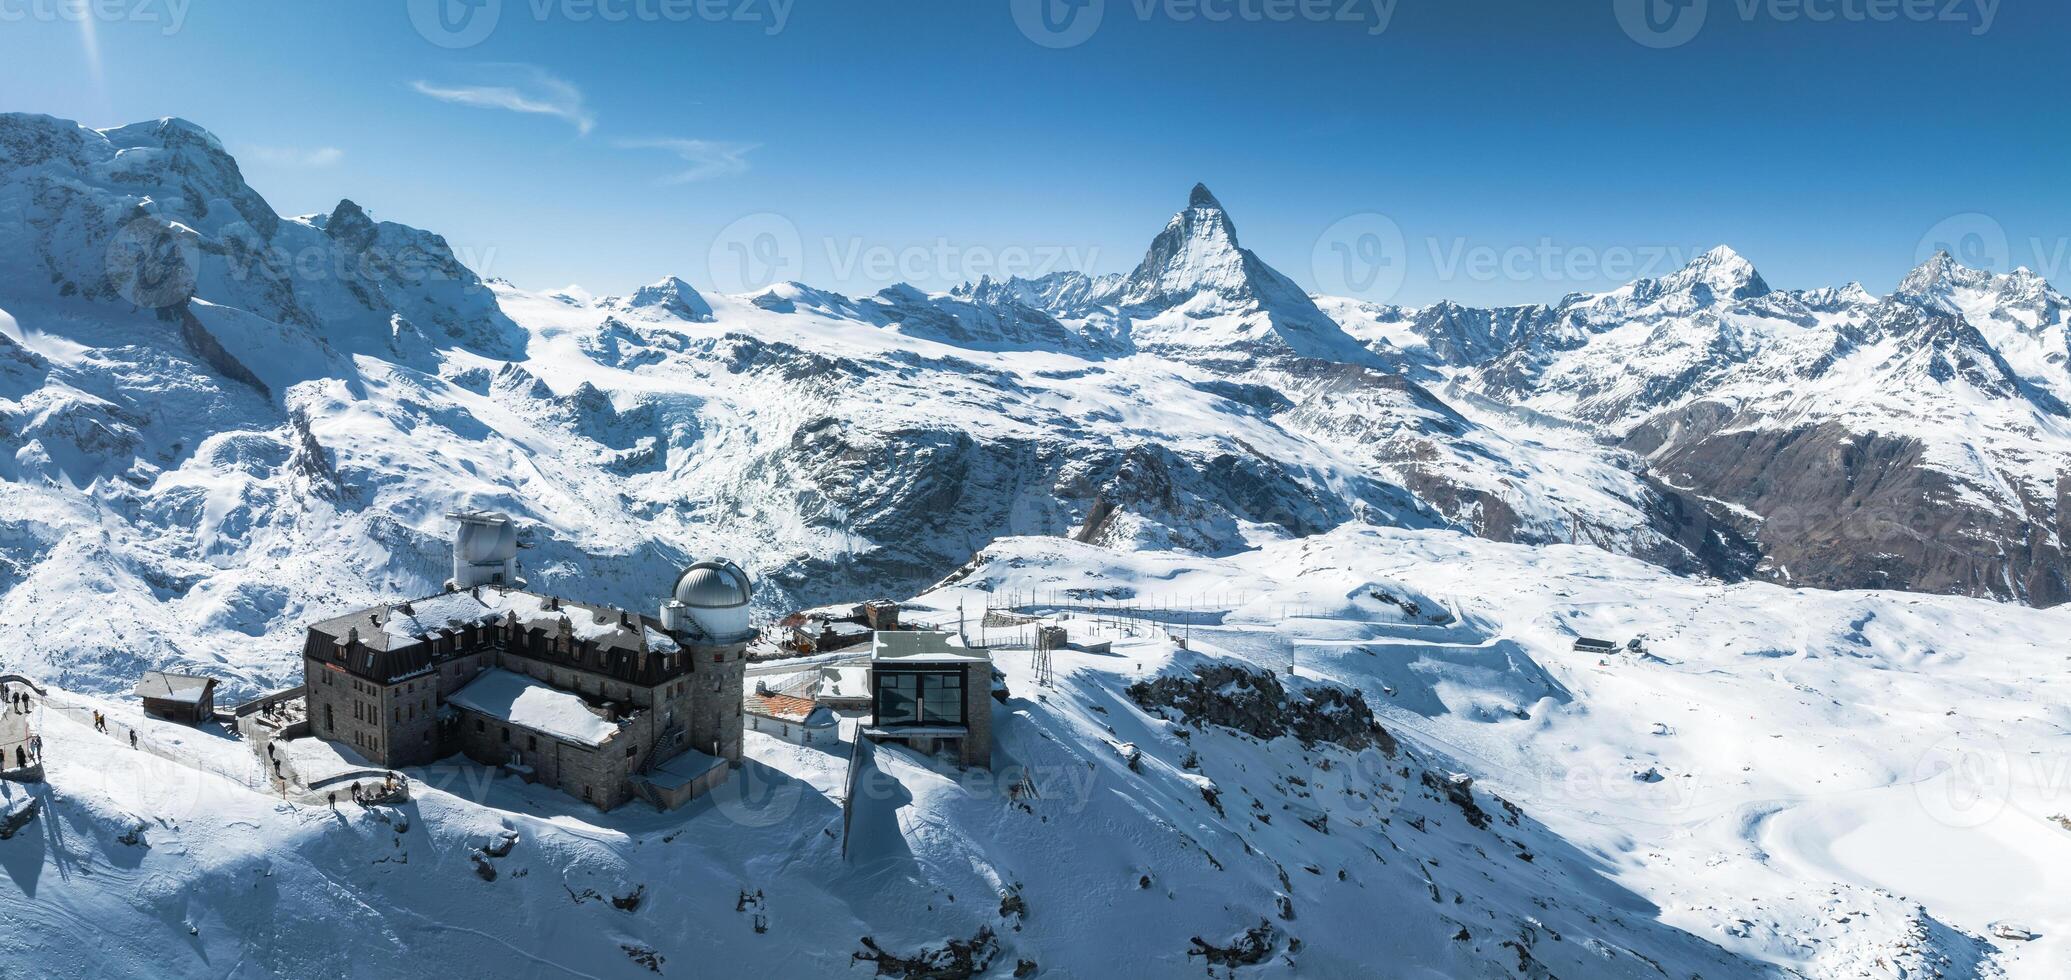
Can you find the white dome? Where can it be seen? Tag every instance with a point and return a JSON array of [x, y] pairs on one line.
[[717, 584]]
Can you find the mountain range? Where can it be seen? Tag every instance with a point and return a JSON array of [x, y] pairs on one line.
[[218, 421], [1361, 733]]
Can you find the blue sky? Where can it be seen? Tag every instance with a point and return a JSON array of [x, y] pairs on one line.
[[1477, 150]]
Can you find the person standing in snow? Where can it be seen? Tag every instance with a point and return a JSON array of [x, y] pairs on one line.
[[20, 760], [132, 738]]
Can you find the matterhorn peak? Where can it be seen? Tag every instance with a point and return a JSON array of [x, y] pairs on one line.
[[1196, 264], [1197, 251]]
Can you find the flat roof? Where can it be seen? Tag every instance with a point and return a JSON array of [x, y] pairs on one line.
[[922, 647], [530, 703], [681, 769]]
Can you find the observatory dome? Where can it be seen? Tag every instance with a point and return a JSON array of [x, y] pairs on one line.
[[714, 585], [716, 595]]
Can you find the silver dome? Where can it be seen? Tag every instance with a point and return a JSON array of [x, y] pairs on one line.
[[717, 584]]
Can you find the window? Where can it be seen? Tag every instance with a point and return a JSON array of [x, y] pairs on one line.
[[630, 750], [506, 736], [898, 699], [532, 743], [942, 703], [479, 727], [917, 698], [330, 722]]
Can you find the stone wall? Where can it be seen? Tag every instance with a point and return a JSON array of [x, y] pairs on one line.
[[345, 709], [977, 746], [599, 775], [717, 681]]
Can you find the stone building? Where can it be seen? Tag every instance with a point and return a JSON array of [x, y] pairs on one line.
[[605, 704]]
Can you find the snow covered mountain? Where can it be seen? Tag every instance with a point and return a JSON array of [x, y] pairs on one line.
[[1915, 441], [218, 424], [225, 422]]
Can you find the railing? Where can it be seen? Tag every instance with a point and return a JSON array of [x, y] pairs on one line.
[[262, 703], [12, 679], [848, 798]]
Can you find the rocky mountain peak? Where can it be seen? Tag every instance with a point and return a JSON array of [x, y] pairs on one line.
[[1197, 251], [349, 225], [672, 296], [1720, 274], [1938, 272]]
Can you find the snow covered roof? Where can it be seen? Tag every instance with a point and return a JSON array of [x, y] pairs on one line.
[[921, 646], [158, 685], [389, 626], [393, 635], [845, 682], [680, 770], [531, 704]]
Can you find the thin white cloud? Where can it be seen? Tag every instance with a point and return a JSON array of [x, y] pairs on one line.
[[707, 158], [292, 156], [515, 88]]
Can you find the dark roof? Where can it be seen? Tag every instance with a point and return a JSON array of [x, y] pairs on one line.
[[388, 643], [157, 685]]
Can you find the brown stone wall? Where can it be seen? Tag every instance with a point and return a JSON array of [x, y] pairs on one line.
[[346, 710]]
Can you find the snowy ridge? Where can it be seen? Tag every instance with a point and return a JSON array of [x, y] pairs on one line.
[[1957, 382], [202, 450]]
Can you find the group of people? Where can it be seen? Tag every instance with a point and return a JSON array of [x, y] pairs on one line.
[[19, 701], [369, 796]]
